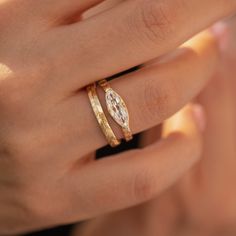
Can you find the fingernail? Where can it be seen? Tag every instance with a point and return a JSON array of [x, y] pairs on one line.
[[199, 116], [221, 31]]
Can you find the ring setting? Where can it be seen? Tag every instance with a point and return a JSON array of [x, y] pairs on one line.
[[116, 108]]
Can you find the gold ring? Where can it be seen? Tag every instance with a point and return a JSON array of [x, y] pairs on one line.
[[101, 118], [117, 109]]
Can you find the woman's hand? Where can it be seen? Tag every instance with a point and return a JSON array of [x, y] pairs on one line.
[[47, 128], [208, 193], [203, 202]]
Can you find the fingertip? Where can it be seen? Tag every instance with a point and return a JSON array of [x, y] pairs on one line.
[[221, 32], [190, 120], [219, 29], [187, 127]]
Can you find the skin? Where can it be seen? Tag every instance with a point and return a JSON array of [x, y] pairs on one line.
[[48, 54], [203, 201]]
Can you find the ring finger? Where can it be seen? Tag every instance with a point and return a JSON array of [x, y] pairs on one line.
[[152, 94]]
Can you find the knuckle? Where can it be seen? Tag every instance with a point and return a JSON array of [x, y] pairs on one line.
[[17, 91], [36, 210], [37, 203], [17, 88], [21, 147], [160, 99], [19, 222], [12, 96], [143, 186], [156, 19], [35, 207]]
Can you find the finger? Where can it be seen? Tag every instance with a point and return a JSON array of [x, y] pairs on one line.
[[107, 4], [151, 94], [137, 176], [66, 7], [62, 9], [219, 102], [128, 35]]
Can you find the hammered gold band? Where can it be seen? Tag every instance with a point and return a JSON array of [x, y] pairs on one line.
[[101, 118], [117, 109]]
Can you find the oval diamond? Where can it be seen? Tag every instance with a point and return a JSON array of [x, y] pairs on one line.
[[117, 108]]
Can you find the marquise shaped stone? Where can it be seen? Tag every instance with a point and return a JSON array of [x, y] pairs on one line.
[[117, 108]]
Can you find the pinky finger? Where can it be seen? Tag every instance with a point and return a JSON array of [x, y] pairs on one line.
[[136, 176]]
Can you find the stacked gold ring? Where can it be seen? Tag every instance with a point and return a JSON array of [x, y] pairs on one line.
[[116, 108], [100, 115]]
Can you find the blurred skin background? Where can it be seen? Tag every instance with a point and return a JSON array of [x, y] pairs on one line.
[[203, 202]]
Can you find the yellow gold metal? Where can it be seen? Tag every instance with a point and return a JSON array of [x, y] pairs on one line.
[[117, 109], [101, 118]]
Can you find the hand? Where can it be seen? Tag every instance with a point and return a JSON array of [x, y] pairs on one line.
[[47, 128], [208, 193], [203, 202]]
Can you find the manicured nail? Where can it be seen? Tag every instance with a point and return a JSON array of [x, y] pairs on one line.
[[219, 28], [221, 31], [200, 116]]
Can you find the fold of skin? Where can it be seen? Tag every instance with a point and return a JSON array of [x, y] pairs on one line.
[[203, 203]]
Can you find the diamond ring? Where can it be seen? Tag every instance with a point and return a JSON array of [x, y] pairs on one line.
[[117, 109]]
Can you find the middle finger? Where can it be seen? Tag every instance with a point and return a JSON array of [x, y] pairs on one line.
[[127, 35]]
